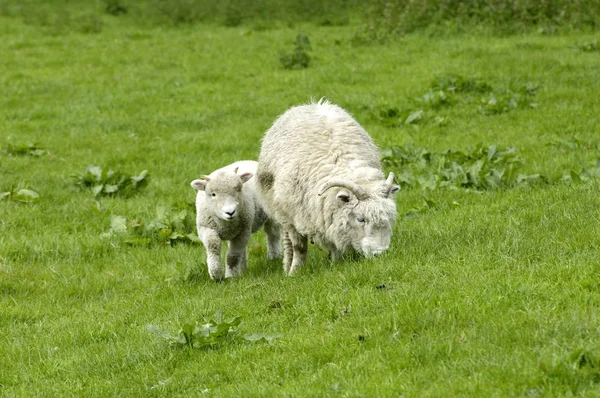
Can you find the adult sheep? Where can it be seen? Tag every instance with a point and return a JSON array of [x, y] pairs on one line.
[[227, 208], [320, 177]]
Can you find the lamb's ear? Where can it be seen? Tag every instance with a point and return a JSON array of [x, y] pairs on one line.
[[246, 176], [343, 195], [199, 185]]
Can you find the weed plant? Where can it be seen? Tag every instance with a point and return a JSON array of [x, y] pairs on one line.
[[105, 182], [298, 58]]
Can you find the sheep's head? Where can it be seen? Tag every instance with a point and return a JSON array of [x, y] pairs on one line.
[[223, 192], [363, 217]]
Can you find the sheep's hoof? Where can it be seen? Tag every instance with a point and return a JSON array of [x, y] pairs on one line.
[[233, 273], [217, 276], [293, 270]]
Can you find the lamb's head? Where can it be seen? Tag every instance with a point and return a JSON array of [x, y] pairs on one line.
[[363, 217], [223, 192]]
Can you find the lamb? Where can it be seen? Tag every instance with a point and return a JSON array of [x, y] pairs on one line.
[[320, 177], [227, 208]]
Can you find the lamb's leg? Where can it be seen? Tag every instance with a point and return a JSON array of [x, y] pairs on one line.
[[212, 243], [288, 252], [273, 231], [300, 247], [236, 255]]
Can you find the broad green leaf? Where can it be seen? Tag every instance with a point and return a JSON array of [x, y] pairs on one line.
[[203, 330], [414, 117], [176, 235], [494, 179], [194, 238], [26, 196], [95, 171], [37, 152], [474, 172], [510, 175], [156, 225], [262, 337], [188, 332], [108, 188], [118, 224], [492, 151], [140, 177], [164, 235], [97, 189]]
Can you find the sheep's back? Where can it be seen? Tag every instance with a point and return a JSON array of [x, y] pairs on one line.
[[305, 147]]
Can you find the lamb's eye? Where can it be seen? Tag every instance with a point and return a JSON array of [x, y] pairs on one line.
[[360, 219], [213, 194]]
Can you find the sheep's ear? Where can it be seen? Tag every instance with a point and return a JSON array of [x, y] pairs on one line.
[[246, 176], [394, 189], [343, 195], [199, 185]]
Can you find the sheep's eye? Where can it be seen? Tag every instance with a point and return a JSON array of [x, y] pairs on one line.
[[213, 194], [360, 219]]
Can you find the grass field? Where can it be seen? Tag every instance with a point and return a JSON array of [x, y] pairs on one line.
[[484, 292]]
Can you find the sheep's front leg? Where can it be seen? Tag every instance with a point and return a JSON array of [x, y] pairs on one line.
[[299, 247], [212, 243], [273, 231], [236, 255]]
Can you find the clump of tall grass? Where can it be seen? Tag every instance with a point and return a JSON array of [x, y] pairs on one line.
[[383, 19], [380, 19]]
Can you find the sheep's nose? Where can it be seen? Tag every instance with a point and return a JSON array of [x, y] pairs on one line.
[[230, 213]]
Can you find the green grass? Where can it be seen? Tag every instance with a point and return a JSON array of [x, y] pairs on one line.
[[491, 293]]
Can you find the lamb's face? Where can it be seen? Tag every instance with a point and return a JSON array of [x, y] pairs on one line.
[[223, 193]]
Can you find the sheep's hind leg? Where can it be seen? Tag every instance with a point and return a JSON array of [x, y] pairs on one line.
[[273, 231], [288, 252], [300, 247], [236, 256], [212, 243]]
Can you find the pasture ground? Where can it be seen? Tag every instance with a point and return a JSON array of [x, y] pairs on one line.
[[483, 293]]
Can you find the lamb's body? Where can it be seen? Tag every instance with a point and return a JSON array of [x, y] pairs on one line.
[[308, 150], [227, 208]]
